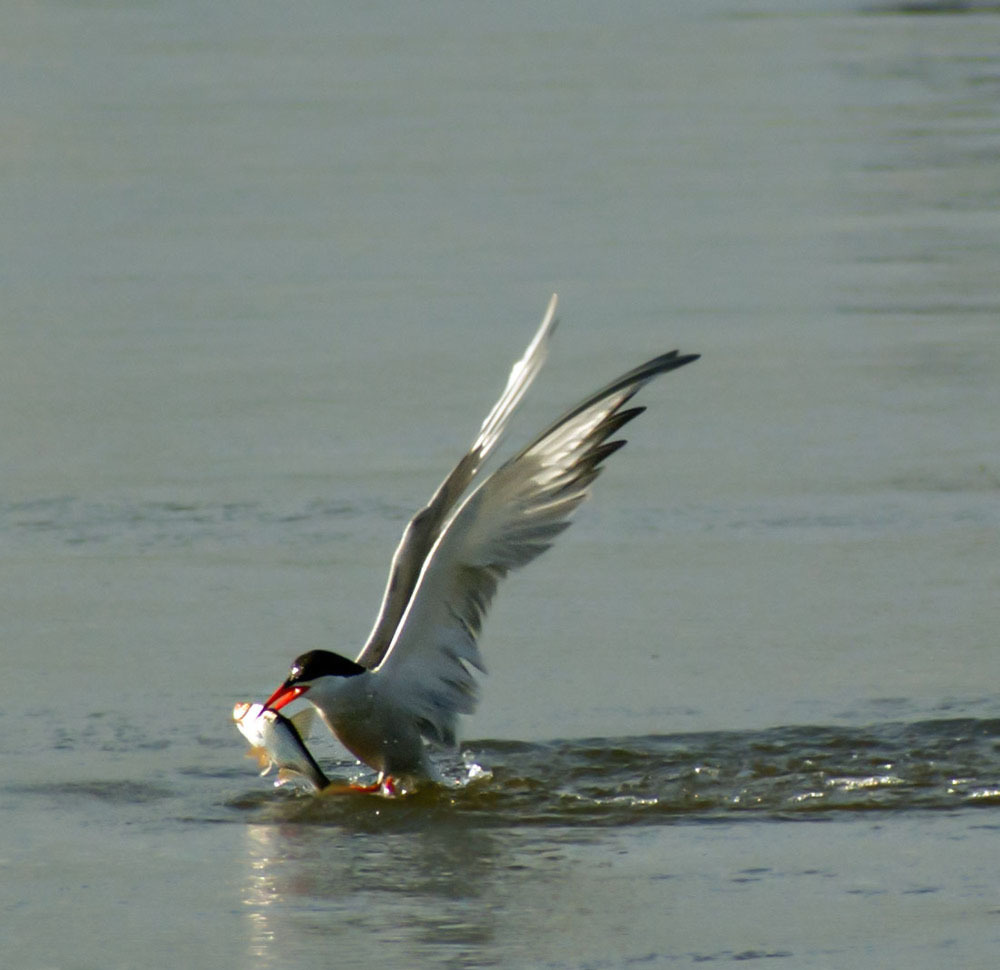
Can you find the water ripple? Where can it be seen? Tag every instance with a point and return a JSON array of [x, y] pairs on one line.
[[912, 505], [784, 773], [76, 522]]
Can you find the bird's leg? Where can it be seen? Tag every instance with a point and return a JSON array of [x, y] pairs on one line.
[[377, 786], [385, 784]]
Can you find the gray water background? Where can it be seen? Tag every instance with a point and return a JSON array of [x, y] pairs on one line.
[[265, 268]]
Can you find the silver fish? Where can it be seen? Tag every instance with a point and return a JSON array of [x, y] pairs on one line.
[[277, 740]]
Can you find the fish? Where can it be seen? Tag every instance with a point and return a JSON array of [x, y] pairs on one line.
[[276, 741]]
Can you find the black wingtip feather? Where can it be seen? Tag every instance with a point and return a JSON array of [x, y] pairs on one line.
[[618, 420], [604, 451], [632, 382]]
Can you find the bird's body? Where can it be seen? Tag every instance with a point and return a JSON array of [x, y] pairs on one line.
[[414, 674], [372, 726]]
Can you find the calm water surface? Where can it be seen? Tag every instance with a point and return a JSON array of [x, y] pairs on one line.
[[265, 269]]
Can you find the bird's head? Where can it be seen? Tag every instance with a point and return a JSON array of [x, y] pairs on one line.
[[315, 669]]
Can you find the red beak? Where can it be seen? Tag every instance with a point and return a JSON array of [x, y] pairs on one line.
[[284, 695]]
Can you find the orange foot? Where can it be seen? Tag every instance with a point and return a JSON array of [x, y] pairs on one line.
[[386, 785]]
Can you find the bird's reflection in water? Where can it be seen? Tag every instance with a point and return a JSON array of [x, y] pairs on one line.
[[381, 877]]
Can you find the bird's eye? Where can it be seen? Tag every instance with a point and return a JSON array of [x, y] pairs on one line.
[[295, 673]]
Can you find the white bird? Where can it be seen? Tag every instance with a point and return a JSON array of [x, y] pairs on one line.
[[413, 676]]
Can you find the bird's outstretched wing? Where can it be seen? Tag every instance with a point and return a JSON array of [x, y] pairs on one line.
[[511, 518], [424, 528]]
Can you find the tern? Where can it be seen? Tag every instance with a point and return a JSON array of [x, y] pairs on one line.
[[414, 675]]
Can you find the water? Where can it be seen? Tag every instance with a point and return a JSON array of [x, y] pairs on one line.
[[264, 272]]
